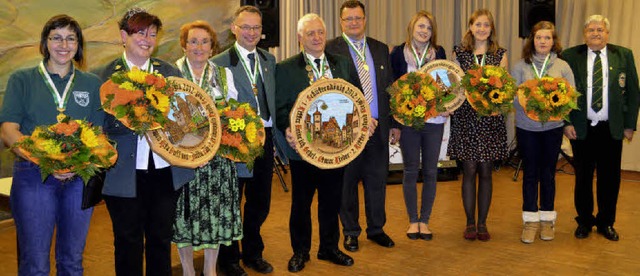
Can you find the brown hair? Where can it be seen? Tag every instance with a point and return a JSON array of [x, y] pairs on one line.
[[529, 48], [62, 21], [468, 41], [352, 4], [199, 24], [434, 28], [246, 8]]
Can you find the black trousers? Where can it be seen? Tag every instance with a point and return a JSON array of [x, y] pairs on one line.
[[257, 193], [372, 168], [305, 180], [603, 154], [147, 217]]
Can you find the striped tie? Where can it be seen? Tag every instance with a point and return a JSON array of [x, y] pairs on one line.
[[596, 83], [365, 78]]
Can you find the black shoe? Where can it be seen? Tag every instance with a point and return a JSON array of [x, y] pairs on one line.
[[296, 263], [351, 243], [413, 236], [259, 265], [609, 233], [232, 269], [382, 239], [336, 257], [426, 237], [582, 231]]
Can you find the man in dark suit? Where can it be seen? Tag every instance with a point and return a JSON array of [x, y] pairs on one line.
[[607, 112], [254, 77], [370, 59], [293, 75]]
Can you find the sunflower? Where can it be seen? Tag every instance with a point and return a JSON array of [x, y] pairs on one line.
[[557, 99], [137, 76], [158, 100], [496, 96], [251, 132], [88, 137]]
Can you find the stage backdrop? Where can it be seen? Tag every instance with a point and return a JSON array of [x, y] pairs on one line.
[[21, 23]]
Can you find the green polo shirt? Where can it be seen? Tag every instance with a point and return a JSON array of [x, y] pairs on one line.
[[29, 102]]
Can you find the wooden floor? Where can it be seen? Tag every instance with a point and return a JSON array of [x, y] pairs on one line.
[[447, 254]]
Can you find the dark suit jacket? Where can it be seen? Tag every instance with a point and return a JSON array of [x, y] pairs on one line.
[[384, 76], [121, 178], [292, 78], [230, 59], [624, 96]]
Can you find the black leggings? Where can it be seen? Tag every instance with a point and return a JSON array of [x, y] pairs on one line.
[[469, 171]]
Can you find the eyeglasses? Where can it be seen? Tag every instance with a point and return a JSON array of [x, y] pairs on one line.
[[246, 28], [195, 42], [71, 40], [353, 19]]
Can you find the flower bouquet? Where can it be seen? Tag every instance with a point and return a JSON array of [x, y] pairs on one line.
[[415, 97], [68, 146], [243, 134], [490, 90], [140, 100], [547, 99]]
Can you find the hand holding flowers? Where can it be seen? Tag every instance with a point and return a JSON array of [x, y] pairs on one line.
[[139, 99], [242, 133], [490, 90], [70, 146]]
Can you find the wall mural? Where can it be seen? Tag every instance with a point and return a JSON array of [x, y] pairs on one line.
[[21, 23]]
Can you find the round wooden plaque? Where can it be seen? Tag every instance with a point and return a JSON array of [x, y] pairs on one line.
[[192, 135], [447, 75], [330, 122]]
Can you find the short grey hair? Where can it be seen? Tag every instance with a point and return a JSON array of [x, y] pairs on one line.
[[307, 18], [597, 18]]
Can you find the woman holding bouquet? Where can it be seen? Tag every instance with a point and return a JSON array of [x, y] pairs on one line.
[[35, 96], [208, 209], [420, 48], [477, 141], [539, 142], [140, 190]]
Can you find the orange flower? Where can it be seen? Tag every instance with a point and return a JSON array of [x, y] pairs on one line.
[[160, 83], [150, 79], [495, 81], [66, 128]]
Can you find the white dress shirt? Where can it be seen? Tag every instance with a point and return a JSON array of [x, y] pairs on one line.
[[603, 114], [244, 54]]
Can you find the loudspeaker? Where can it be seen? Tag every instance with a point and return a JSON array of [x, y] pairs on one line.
[[534, 11], [270, 21]]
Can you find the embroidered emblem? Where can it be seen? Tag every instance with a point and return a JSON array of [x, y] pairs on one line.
[[81, 98], [622, 80]]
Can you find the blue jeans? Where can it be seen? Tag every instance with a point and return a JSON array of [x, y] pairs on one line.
[[414, 144], [539, 152], [37, 209]]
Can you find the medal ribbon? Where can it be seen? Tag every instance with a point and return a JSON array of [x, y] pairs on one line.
[[126, 65], [420, 60], [475, 58], [319, 72], [361, 55], [61, 101], [540, 73], [253, 78]]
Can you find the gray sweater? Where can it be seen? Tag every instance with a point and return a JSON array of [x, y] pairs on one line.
[[523, 71]]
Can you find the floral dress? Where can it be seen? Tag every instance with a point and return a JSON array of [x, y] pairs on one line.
[[208, 208], [475, 138]]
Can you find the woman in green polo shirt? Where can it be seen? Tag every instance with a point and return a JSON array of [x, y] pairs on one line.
[[34, 97]]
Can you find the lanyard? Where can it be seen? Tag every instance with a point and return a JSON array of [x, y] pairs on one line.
[[61, 101], [475, 58], [540, 73], [253, 77], [361, 55], [420, 60], [191, 75]]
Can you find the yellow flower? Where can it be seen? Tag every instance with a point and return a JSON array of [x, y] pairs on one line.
[[127, 86], [549, 79], [427, 93], [484, 80], [236, 124], [493, 71], [51, 147], [251, 132], [419, 111], [496, 96], [88, 137], [158, 100], [557, 99], [136, 75]]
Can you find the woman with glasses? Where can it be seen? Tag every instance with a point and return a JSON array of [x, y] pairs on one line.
[[141, 189], [34, 97], [208, 209]]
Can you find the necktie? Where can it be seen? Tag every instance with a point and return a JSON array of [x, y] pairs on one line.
[[317, 61], [596, 83], [365, 78], [262, 102]]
